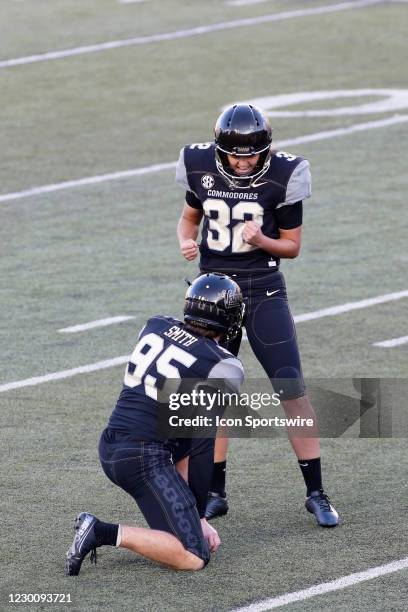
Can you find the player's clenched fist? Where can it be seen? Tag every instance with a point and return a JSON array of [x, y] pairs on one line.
[[189, 249], [252, 233]]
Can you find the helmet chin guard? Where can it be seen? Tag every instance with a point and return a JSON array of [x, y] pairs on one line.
[[242, 181]]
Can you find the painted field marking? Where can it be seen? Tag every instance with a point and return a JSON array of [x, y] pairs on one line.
[[348, 307], [124, 174], [326, 587], [308, 316], [131, 1], [90, 367], [92, 324], [244, 2], [358, 127], [90, 180], [393, 342], [197, 31], [335, 310], [391, 100], [100, 365]]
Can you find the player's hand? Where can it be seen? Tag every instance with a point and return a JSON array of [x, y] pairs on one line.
[[211, 535], [252, 233], [189, 249]]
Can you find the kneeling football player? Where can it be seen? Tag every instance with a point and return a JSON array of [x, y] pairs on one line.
[[168, 479]]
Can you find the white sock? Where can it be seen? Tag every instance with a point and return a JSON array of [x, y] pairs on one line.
[[119, 536]]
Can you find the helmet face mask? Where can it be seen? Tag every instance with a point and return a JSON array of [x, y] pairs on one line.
[[242, 181], [242, 130], [214, 302]]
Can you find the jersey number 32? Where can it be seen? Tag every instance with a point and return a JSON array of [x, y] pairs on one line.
[[220, 233]]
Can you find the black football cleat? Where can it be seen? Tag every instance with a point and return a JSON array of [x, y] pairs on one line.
[[217, 505], [84, 542], [319, 504]]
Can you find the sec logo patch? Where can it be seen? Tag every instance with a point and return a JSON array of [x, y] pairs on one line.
[[207, 181]]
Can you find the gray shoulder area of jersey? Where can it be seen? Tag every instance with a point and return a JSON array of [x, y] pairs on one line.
[[299, 185], [229, 370], [181, 172]]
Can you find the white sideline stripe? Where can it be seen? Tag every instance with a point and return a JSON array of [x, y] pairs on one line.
[[358, 127], [90, 180], [100, 365], [394, 341], [244, 2], [123, 174], [326, 587], [91, 367], [215, 27], [335, 310], [92, 324]]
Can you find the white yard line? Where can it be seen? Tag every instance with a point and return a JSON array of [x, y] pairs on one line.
[[90, 367], [393, 342], [197, 31], [100, 365], [90, 180], [358, 127], [308, 316], [250, 2], [326, 587], [336, 310], [124, 174], [92, 324], [348, 307], [244, 2]]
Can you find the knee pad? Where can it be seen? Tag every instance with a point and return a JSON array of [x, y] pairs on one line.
[[289, 383], [272, 322]]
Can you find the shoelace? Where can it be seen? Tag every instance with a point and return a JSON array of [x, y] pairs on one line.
[[324, 501], [80, 531]]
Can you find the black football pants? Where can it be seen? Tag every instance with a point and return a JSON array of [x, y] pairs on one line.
[[146, 471], [271, 332]]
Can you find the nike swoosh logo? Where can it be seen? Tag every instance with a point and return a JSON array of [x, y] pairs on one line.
[[304, 464], [269, 293]]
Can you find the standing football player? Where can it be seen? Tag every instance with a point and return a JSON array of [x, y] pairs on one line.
[[249, 198], [132, 450]]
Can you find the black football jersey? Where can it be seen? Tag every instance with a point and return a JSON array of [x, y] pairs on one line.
[[166, 352], [226, 208]]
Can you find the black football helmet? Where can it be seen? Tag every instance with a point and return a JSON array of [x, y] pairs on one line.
[[242, 129], [214, 301]]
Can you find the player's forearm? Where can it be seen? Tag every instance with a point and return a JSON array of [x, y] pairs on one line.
[[187, 230], [279, 247]]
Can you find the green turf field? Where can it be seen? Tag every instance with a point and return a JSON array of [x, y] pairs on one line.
[[88, 252]]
